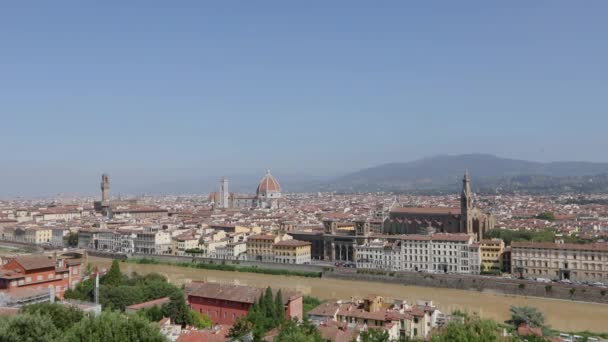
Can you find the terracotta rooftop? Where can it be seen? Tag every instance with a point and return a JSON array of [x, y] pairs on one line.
[[234, 293], [34, 262], [292, 243], [426, 211]]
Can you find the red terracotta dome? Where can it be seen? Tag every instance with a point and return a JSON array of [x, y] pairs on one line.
[[268, 184]]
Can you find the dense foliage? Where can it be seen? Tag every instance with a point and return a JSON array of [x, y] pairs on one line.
[[230, 268], [54, 323], [268, 313], [118, 291], [374, 335], [527, 315], [114, 327], [473, 329], [509, 236], [291, 331], [72, 239], [547, 216], [62, 316]]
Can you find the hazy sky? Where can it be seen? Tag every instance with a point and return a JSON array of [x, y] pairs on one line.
[[165, 90]]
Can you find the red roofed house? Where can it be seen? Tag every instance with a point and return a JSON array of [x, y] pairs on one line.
[[39, 272], [225, 304]]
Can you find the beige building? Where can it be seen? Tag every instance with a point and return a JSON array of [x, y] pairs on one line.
[[292, 252], [491, 254], [260, 247], [577, 262], [38, 235], [183, 242]]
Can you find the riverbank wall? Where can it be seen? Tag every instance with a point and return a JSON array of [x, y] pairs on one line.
[[239, 263], [504, 286]]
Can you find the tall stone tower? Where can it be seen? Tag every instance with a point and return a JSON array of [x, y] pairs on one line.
[[466, 205], [105, 188], [224, 194]]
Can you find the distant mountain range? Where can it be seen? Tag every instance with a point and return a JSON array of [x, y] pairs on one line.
[[489, 174], [439, 174]]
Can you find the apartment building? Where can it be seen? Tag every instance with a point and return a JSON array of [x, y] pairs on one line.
[[559, 261], [447, 253], [292, 252], [260, 247], [491, 254], [152, 240], [38, 235]]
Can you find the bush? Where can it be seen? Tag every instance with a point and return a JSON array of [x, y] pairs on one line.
[[521, 286], [548, 288]]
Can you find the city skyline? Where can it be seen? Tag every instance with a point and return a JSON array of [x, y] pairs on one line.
[[152, 94]]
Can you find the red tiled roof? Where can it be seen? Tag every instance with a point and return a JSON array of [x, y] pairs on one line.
[[149, 304], [426, 211]]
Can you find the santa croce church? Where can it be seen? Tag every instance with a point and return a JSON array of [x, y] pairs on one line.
[[466, 219]]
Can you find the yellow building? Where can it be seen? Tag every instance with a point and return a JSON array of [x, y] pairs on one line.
[[292, 252], [259, 247], [38, 235], [491, 254], [184, 242]]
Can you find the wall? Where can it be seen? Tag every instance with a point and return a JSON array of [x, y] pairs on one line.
[[259, 264], [479, 283]]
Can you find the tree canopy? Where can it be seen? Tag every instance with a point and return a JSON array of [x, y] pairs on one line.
[[527, 315], [474, 329], [114, 327], [374, 335]]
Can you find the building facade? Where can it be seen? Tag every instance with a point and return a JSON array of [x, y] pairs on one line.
[[292, 252], [491, 254], [444, 253], [225, 304], [466, 219], [575, 262]]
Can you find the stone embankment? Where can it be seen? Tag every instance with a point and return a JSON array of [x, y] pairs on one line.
[[498, 285]]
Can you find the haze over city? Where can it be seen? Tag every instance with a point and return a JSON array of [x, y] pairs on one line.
[[153, 94]]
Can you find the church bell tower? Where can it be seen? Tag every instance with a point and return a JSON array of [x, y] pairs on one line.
[[466, 205]]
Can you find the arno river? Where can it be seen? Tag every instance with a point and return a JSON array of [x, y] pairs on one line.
[[560, 314]]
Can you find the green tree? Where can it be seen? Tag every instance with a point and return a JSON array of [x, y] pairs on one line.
[[291, 331], [240, 328], [83, 291], [547, 216], [62, 316], [114, 277], [72, 239], [28, 328], [177, 310], [119, 297], [200, 320], [279, 307], [528, 315], [114, 327], [473, 329], [153, 314], [269, 307], [374, 335]]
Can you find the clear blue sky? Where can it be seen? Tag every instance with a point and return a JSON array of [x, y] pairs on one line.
[[162, 90]]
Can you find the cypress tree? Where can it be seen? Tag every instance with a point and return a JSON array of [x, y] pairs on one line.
[[280, 307], [269, 306]]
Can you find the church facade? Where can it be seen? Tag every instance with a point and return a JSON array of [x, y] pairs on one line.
[[340, 239], [467, 219]]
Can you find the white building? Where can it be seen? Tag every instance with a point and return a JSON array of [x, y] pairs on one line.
[[448, 253]]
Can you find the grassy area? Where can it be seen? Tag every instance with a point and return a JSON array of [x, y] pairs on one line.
[[224, 267]]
